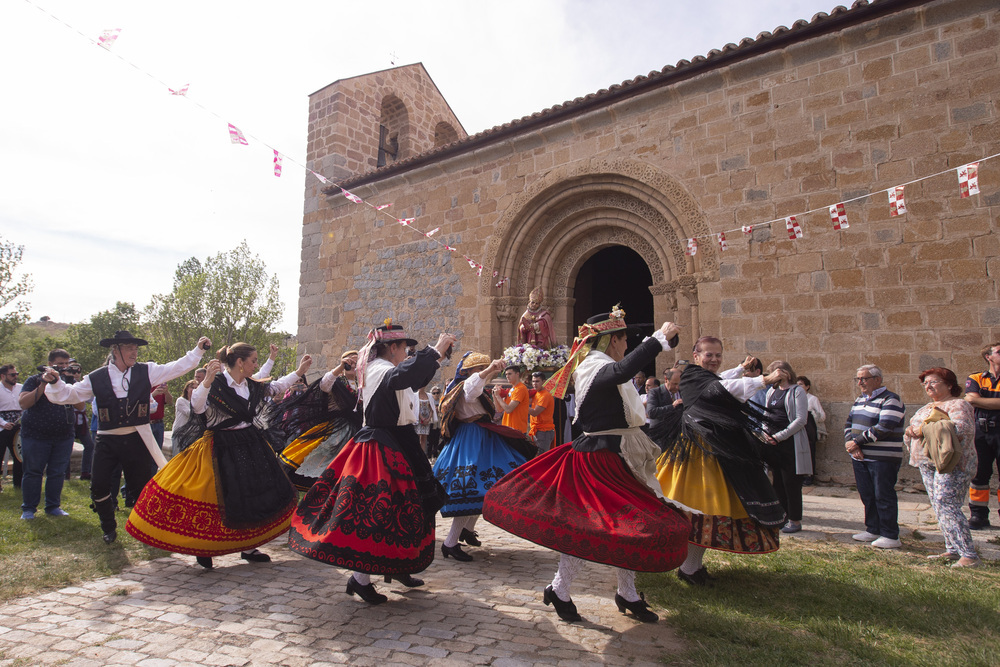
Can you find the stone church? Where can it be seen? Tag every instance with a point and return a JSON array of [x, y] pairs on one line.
[[594, 200]]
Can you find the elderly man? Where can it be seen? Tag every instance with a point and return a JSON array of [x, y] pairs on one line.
[[873, 436], [666, 398]]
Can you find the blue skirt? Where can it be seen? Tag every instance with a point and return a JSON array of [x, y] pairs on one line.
[[470, 464]]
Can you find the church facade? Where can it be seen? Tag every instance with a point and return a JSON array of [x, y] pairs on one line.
[[594, 201]]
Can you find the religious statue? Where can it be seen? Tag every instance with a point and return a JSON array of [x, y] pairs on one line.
[[535, 327]]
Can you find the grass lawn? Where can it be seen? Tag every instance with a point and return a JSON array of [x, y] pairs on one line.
[[815, 603], [49, 553]]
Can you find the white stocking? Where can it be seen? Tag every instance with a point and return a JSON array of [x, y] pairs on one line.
[[569, 567], [626, 585], [693, 562], [362, 578], [457, 525]]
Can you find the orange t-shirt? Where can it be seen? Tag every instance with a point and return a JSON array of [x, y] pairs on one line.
[[518, 419], [543, 422]]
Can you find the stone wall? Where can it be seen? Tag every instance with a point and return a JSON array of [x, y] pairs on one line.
[[840, 114]]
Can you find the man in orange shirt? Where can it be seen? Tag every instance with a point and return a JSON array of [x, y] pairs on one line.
[[543, 429], [515, 411]]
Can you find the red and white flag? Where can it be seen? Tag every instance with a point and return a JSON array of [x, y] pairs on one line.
[[108, 37], [432, 232], [838, 216], [354, 198], [321, 177], [277, 164], [406, 222], [723, 246], [794, 230], [471, 263], [692, 248], [449, 248], [748, 229], [235, 136], [897, 205], [968, 179], [382, 207], [183, 90]]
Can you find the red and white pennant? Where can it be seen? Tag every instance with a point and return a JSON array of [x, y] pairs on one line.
[[968, 179], [748, 229], [723, 246], [235, 136], [353, 197], [180, 91], [794, 230], [897, 204], [838, 216], [692, 248], [277, 164], [108, 37]]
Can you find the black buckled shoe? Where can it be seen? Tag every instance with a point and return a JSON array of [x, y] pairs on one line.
[[699, 578], [640, 608], [204, 561], [366, 593], [566, 610], [405, 579], [255, 556], [456, 553], [470, 537]]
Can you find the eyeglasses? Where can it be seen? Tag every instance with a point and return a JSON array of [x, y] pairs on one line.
[[932, 383], [865, 379]]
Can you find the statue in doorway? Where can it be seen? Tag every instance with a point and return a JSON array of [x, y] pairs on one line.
[[535, 327]]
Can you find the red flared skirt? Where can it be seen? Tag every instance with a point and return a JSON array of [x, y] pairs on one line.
[[364, 514], [588, 505]]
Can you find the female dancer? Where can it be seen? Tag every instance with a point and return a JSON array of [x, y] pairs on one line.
[[372, 510], [596, 498], [478, 452], [713, 466], [225, 492]]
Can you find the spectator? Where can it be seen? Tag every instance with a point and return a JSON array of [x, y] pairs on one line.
[[182, 407], [982, 391], [515, 411], [161, 394], [46, 440], [665, 399], [873, 436], [787, 412], [426, 415], [815, 425], [640, 382], [10, 417], [199, 374], [434, 435], [946, 487], [543, 428]]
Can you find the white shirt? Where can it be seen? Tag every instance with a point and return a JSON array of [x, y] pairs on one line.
[[468, 408], [265, 369], [182, 412], [8, 399]]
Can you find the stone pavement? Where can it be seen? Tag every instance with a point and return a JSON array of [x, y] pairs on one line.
[[293, 611]]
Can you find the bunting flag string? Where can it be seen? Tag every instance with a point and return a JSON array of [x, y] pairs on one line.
[[838, 215], [748, 229], [723, 246], [897, 204], [968, 179], [794, 230]]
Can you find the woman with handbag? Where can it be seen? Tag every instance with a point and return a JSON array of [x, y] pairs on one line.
[[946, 419], [789, 458]]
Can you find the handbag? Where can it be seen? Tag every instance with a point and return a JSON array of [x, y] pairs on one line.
[[940, 439]]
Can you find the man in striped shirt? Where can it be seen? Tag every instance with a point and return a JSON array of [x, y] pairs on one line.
[[873, 437]]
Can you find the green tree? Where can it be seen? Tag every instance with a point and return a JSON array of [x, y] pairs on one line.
[[13, 289], [83, 339]]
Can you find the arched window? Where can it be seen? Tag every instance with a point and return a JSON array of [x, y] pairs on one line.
[[444, 134], [394, 129]]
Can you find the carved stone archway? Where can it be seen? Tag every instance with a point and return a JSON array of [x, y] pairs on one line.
[[551, 229]]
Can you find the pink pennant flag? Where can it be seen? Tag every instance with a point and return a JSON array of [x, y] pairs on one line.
[[471, 263], [897, 205], [277, 164], [496, 273], [479, 270], [321, 177], [235, 136], [449, 248], [722, 242], [794, 231], [968, 179], [838, 216], [354, 198], [748, 229], [406, 222], [382, 207], [433, 232], [692, 248], [180, 91], [108, 37]]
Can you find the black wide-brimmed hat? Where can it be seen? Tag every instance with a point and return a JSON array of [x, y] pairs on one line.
[[392, 333], [122, 338]]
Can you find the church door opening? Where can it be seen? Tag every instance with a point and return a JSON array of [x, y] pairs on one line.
[[616, 275]]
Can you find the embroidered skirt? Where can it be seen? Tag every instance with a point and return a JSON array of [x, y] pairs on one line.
[[472, 461], [718, 520], [189, 508], [588, 505], [305, 458], [365, 514]]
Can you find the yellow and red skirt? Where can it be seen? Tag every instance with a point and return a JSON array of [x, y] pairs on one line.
[[179, 509], [719, 520]]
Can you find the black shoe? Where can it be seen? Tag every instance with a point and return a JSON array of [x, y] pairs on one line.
[[84, 475], [255, 556], [975, 523], [204, 561], [456, 553], [110, 537], [366, 593], [405, 579], [699, 578], [566, 610], [470, 537], [639, 608]]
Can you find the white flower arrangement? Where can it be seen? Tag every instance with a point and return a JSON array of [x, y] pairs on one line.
[[532, 358]]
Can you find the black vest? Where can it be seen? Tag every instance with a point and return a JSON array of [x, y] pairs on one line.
[[114, 412]]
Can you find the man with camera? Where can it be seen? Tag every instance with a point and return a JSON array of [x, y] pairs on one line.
[[10, 417], [46, 439], [982, 391], [124, 436]]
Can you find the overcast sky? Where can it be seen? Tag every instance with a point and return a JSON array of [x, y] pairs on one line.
[[109, 182]]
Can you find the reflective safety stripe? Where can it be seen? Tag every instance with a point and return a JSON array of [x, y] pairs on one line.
[[980, 496]]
